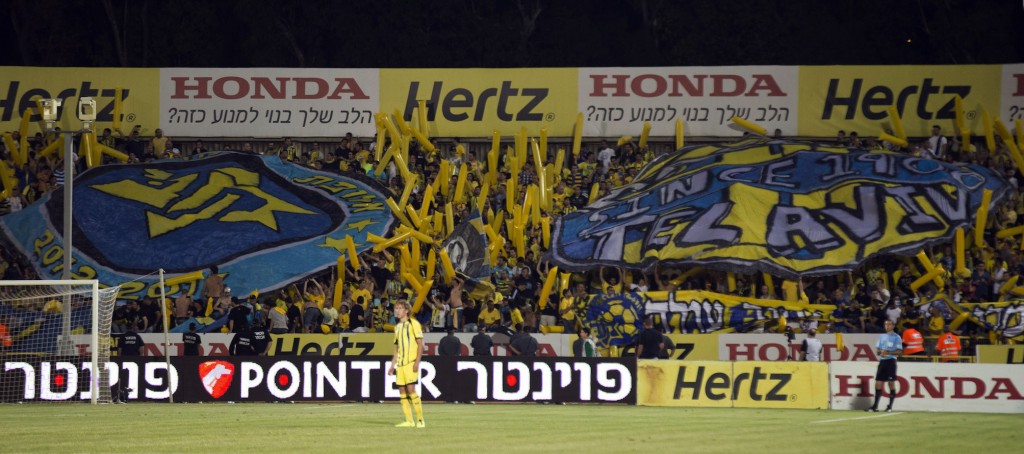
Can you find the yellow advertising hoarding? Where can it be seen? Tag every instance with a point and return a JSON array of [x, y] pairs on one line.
[[21, 85], [856, 98], [1001, 354], [475, 102], [748, 384]]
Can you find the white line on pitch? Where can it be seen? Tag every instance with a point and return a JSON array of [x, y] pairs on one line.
[[853, 419], [330, 407]]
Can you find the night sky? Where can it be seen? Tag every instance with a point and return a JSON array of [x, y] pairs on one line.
[[508, 33]]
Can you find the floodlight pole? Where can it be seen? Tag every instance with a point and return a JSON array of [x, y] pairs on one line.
[[50, 114]]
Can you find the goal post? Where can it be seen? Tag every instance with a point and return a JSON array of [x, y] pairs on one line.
[[38, 323]]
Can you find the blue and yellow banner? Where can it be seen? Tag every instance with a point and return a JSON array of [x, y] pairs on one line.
[[787, 208], [617, 319], [467, 248], [263, 222]]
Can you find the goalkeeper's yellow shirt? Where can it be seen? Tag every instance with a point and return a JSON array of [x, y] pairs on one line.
[[406, 334]]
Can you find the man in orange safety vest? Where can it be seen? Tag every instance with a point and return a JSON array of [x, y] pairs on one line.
[[948, 345], [913, 344]]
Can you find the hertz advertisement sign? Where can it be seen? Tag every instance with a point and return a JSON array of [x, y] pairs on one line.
[[856, 98], [21, 86], [751, 384], [474, 102]]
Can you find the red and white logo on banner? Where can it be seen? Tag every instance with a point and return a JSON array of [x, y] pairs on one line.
[[216, 377]]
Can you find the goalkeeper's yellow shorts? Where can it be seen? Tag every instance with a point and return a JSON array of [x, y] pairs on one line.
[[404, 375]]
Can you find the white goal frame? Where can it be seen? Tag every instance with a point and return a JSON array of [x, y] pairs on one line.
[[64, 345]]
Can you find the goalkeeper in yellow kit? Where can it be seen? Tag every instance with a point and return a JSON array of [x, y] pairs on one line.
[[405, 364]]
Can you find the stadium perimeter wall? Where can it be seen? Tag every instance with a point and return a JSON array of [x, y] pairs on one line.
[[849, 385]]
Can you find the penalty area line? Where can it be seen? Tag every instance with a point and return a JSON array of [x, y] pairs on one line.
[[854, 419]]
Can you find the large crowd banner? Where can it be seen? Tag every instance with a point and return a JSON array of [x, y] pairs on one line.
[[787, 208], [269, 102], [264, 222], [619, 101]]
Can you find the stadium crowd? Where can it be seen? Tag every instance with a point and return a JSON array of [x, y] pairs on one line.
[[863, 300]]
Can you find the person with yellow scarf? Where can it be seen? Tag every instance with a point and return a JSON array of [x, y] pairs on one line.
[[278, 317]]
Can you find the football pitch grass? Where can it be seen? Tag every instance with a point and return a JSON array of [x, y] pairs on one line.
[[369, 427]]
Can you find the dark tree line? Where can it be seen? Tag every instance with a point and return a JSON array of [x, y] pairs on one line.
[[508, 33]]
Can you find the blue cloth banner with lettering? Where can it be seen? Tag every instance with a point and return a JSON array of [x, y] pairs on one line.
[[264, 222], [787, 208]]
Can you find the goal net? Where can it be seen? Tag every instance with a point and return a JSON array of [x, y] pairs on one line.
[[40, 360]]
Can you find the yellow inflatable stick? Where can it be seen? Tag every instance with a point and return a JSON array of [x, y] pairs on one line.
[[444, 174], [961, 262], [431, 263], [929, 268], [981, 218], [403, 167], [544, 142], [545, 290], [449, 219], [446, 266], [545, 233], [421, 237], [398, 238], [407, 191], [538, 164], [885, 137], [577, 134], [413, 281], [510, 197], [118, 108], [350, 247], [421, 109], [439, 223], [644, 134], [422, 296], [481, 200], [931, 275], [595, 190], [428, 199], [897, 123], [194, 276], [460, 184], [423, 141], [535, 212], [397, 211], [1012, 231], [990, 139], [1015, 152], [959, 320], [749, 125], [400, 122], [339, 285], [414, 216], [679, 133]]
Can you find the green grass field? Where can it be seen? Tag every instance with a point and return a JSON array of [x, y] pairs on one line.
[[283, 428]]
